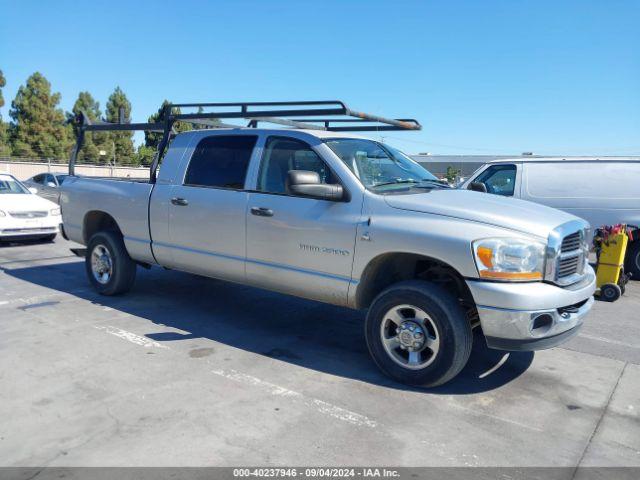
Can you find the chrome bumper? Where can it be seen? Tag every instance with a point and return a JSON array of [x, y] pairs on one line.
[[547, 315], [27, 232]]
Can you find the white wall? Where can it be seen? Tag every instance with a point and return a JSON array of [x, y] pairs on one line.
[[24, 170]]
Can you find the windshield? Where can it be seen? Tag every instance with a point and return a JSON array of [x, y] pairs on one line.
[[10, 185], [379, 166]]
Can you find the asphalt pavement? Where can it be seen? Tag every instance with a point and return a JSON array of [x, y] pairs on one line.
[[190, 371]]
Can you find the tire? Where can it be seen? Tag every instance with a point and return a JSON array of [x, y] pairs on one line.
[[49, 238], [610, 292], [445, 328], [632, 262], [108, 265]]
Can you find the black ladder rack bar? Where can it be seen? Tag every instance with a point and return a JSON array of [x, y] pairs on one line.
[[254, 112]]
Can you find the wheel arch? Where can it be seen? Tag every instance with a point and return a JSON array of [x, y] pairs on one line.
[[392, 267], [98, 221]]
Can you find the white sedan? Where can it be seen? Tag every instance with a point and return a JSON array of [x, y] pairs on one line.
[[24, 215]]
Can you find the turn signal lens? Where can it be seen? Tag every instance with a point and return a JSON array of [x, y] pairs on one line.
[[522, 276], [485, 254]]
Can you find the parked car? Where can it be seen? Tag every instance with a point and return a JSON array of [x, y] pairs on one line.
[[24, 215], [47, 185], [603, 191], [349, 221]]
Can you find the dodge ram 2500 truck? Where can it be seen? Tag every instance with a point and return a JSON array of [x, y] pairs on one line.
[[324, 214]]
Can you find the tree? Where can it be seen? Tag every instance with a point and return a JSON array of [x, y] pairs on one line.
[[38, 127], [144, 155], [93, 141], [3, 82], [4, 145], [452, 174], [122, 141], [152, 139]]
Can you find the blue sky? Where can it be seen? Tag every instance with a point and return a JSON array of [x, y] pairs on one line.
[[552, 77]]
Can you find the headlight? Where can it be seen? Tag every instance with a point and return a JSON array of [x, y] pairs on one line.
[[509, 259], [55, 211]]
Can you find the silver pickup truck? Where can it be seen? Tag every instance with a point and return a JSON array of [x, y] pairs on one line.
[[334, 217]]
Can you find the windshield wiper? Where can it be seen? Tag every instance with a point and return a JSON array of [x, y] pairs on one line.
[[397, 182], [428, 183]]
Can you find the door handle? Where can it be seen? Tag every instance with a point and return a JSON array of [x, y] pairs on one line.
[[180, 201], [261, 212]]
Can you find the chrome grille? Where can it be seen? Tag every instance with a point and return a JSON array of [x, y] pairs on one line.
[[571, 242], [28, 215], [571, 258], [568, 266]]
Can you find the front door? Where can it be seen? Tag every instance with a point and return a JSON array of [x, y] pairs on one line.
[[207, 226], [298, 245]]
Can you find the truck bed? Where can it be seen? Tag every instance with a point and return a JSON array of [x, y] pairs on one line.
[[124, 199]]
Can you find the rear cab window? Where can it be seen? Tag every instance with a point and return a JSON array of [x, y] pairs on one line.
[[220, 161]]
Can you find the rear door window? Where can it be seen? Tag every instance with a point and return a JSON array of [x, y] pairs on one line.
[[38, 178], [220, 161], [499, 179]]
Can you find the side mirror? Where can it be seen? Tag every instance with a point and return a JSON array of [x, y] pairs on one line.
[[51, 184], [478, 187], [307, 184], [33, 190]]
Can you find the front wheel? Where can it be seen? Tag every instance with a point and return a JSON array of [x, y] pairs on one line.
[[109, 267], [418, 334]]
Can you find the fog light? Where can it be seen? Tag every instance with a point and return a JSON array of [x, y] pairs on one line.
[[541, 324]]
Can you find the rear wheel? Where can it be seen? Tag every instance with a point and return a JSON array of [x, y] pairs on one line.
[[110, 269], [632, 262], [418, 334]]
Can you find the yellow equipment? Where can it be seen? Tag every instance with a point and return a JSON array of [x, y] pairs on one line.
[[611, 246]]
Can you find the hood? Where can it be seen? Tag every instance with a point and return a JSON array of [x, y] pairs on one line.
[[526, 217], [27, 202]]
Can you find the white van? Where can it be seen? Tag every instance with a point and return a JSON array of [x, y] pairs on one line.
[[603, 191]]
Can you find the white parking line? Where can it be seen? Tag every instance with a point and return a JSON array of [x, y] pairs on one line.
[[44, 297], [319, 405], [130, 337], [606, 340]]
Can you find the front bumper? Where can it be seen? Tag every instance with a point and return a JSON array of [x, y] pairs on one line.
[[531, 316], [27, 232]]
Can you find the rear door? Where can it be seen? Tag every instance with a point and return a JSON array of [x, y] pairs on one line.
[[299, 245], [207, 209]]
